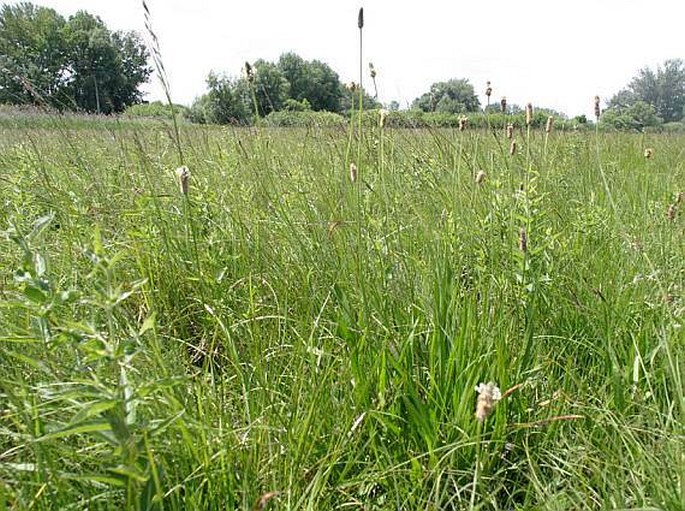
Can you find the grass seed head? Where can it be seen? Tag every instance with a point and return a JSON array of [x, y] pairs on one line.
[[548, 126], [351, 86], [649, 152], [510, 131], [360, 18], [523, 240], [480, 177], [488, 89], [503, 105], [679, 197], [598, 110], [529, 113], [353, 172], [183, 176], [512, 147], [249, 72], [382, 117], [462, 122], [671, 212], [488, 397], [333, 226], [372, 70]]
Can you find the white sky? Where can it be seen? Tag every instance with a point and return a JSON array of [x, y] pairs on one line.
[[557, 54]]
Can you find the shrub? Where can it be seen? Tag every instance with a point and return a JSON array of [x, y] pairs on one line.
[[155, 110], [304, 119]]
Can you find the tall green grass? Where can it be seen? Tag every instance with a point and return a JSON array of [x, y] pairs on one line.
[[282, 329]]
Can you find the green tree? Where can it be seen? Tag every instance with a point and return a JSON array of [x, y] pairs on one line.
[[663, 89], [227, 102], [635, 117], [394, 106], [453, 96], [77, 63], [350, 99], [106, 68], [270, 87], [312, 80], [33, 54]]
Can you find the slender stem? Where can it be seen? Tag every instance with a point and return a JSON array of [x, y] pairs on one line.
[[474, 485]]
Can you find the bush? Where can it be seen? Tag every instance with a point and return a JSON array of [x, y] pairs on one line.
[[674, 127], [418, 119], [637, 117], [285, 119], [155, 110]]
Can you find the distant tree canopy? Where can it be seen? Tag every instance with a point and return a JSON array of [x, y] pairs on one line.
[[74, 64], [652, 97], [453, 96], [291, 84]]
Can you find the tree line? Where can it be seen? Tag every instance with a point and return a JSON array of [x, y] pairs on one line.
[[77, 63], [292, 84]]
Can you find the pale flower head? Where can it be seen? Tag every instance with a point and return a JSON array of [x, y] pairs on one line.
[[382, 116], [488, 396], [183, 176], [353, 172]]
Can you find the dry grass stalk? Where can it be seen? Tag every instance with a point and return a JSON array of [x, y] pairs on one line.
[[679, 197], [480, 177], [261, 503], [333, 226], [511, 390], [544, 422]]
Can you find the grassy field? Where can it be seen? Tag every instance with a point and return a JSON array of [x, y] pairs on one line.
[[282, 337]]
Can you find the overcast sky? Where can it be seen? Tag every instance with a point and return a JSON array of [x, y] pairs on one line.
[[557, 54]]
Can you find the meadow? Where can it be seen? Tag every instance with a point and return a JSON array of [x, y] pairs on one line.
[[303, 321]]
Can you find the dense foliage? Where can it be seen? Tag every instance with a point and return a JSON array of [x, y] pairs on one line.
[[68, 64], [156, 110], [291, 84], [454, 96], [650, 99]]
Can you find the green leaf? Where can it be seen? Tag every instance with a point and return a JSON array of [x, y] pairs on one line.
[[40, 225], [148, 324], [95, 409], [35, 295], [101, 426]]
